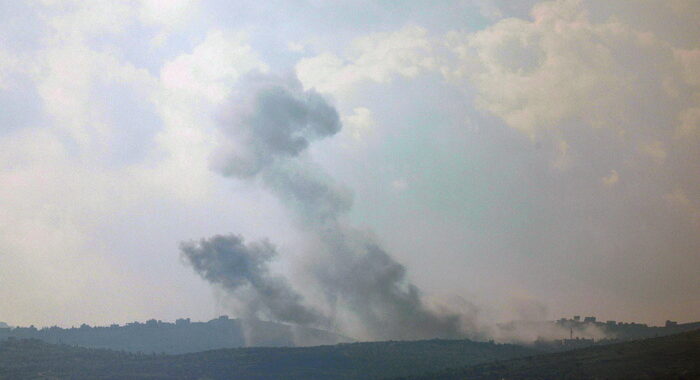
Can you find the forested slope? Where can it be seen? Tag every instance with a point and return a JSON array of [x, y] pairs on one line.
[[669, 357], [21, 359]]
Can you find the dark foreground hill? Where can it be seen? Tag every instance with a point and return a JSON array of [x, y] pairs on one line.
[[29, 359], [668, 357]]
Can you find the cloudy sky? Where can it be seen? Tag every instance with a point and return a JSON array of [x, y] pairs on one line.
[[521, 160]]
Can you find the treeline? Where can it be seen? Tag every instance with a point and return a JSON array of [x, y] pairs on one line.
[[669, 357], [32, 359], [182, 336]]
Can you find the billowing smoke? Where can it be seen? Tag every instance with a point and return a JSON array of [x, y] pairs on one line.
[[269, 123], [243, 270], [280, 120]]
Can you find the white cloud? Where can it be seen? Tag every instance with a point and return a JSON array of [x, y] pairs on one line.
[[193, 84], [296, 47], [212, 67], [52, 208], [563, 156], [690, 61], [689, 126], [655, 150], [60, 191], [678, 198], [359, 124], [399, 185], [168, 13], [8, 64], [536, 74], [611, 179], [55, 196], [489, 10], [67, 74], [81, 18], [85, 18], [377, 57], [596, 91], [561, 73]]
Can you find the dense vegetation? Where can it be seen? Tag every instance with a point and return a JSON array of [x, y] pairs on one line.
[[21, 359], [668, 357]]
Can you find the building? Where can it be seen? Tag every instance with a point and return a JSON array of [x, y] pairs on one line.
[[577, 342]]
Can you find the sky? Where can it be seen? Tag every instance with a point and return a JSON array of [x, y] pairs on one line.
[[474, 161]]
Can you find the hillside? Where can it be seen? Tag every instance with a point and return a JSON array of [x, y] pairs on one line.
[[669, 357], [21, 359], [180, 337]]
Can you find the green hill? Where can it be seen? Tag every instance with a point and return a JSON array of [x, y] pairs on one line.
[[29, 359], [669, 357]]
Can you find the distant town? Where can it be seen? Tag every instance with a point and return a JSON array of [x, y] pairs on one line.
[[581, 331], [183, 336]]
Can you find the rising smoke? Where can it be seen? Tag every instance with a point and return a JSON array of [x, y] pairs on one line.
[[227, 261], [269, 122], [270, 118]]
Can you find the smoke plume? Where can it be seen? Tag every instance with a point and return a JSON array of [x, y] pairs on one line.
[[271, 118], [235, 266], [269, 123]]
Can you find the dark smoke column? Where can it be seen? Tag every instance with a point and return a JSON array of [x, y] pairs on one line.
[[233, 265], [269, 123]]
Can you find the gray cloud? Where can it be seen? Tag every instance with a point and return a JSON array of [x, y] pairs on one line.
[[227, 261], [281, 120], [276, 119], [353, 270], [359, 275]]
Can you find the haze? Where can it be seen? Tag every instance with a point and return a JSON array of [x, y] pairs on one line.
[[384, 169]]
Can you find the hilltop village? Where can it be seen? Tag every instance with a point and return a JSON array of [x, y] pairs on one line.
[[581, 332], [183, 336]]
